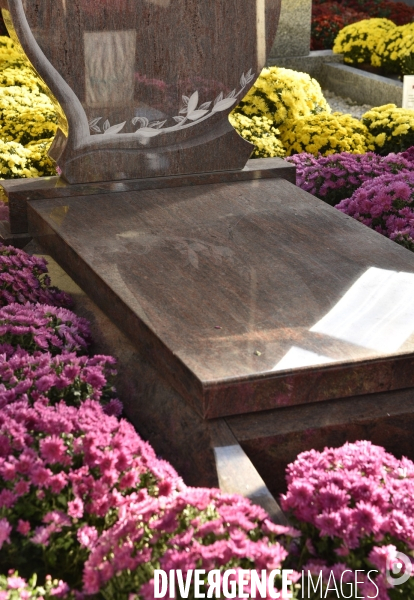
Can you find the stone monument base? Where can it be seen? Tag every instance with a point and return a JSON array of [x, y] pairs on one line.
[[17, 192], [258, 313]]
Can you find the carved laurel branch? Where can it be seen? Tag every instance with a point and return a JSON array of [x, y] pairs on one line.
[[190, 113]]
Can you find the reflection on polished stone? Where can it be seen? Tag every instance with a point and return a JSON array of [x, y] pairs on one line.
[[248, 295], [109, 68], [298, 357], [377, 312]]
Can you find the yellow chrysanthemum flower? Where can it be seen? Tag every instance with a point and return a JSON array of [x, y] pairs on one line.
[[395, 51], [325, 134], [260, 132], [283, 94], [29, 116], [359, 41], [392, 128]]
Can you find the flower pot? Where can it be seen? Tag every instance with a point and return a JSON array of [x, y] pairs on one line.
[[147, 85]]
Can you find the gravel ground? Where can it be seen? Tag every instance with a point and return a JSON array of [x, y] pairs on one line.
[[345, 105]]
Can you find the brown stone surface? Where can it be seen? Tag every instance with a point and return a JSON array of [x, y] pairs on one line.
[[205, 453], [19, 191], [273, 439], [225, 288], [19, 240], [146, 85], [211, 452]]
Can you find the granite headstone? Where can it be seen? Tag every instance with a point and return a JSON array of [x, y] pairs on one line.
[[146, 85]]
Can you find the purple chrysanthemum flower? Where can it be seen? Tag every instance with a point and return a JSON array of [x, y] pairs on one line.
[[41, 327], [385, 204], [51, 379], [23, 278], [335, 177]]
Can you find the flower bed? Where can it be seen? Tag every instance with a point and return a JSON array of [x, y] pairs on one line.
[[68, 471], [394, 53], [285, 113], [52, 379], [391, 128], [13, 587], [355, 508], [82, 498], [23, 278], [330, 16], [338, 176], [260, 132], [198, 528], [385, 204], [41, 327], [356, 186], [379, 42], [359, 41], [29, 117], [283, 95], [326, 134], [86, 505]]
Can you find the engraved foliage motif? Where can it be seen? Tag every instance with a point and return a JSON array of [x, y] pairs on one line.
[[190, 111]]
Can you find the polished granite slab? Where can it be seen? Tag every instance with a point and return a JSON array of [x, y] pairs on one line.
[[18, 191], [247, 296]]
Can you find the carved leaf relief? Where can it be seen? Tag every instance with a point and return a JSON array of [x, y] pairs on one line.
[[189, 114], [114, 129]]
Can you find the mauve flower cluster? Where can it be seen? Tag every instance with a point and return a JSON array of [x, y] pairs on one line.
[[355, 506], [23, 278], [335, 177], [385, 204], [40, 327], [194, 529], [50, 379], [81, 495], [14, 587], [65, 472]]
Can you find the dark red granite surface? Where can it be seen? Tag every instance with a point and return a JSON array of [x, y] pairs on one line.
[[225, 287]]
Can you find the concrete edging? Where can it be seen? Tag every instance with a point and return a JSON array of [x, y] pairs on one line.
[[360, 86]]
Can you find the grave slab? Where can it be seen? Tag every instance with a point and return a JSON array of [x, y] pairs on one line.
[[204, 453], [247, 296], [273, 439], [242, 296]]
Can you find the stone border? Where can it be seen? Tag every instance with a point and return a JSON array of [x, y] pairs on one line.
[[311, 64], [362, 87], [343, 80]]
